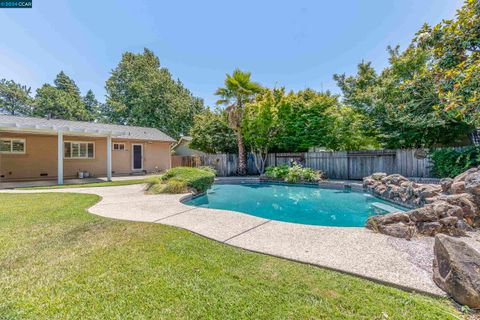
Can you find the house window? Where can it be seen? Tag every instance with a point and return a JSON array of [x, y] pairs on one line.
[[119, 146], [15, 146], [79, 150]]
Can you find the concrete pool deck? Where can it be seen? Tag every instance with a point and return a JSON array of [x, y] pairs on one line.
[[358, 251]]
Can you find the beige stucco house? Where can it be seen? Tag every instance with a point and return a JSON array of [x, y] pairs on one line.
[[182, 148], [40, 149]]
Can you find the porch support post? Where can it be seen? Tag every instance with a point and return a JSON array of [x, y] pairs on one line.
[[60, 158], [109, 158]]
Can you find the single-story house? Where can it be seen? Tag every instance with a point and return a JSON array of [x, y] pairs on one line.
[[40, 149], [182, 148]]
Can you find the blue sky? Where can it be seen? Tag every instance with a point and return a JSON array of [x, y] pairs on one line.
[[295, 44]]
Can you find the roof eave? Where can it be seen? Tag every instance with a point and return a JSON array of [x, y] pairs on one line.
[[45, 129]]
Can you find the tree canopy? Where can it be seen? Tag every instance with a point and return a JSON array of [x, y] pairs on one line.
[[211, 133], [261, 125], [428, 95], [142, 93], [14, 98], [61, 101]]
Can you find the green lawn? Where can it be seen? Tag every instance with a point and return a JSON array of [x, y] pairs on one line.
[[87, 185], [59, 262]]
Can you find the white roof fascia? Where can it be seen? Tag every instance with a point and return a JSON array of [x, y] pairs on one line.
[[55, 129]]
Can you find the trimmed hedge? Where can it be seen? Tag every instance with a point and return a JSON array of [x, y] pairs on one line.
[[182, 179], [450, 162]]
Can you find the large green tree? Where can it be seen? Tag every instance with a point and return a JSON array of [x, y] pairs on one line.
[[142, 93], [455, 60], [211, 134], [14, 98], [308, 118], [261, 126], [428, 95], [238, 90], [92, 105], [358, 90], [303, 120], [62, 100], [346, 130], [298, 121]]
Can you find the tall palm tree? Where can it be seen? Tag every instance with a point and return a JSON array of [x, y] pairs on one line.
[[238, 91]]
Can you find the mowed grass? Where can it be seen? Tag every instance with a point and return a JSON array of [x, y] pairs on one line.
[[88, 185], [59, 262]]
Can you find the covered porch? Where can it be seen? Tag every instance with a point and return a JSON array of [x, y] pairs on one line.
[[43, 146]]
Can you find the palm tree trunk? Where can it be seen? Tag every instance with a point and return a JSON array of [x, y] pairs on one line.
[[242, 161]]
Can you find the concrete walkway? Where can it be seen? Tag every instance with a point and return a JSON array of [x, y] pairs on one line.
[[49, 183], [358, 251]]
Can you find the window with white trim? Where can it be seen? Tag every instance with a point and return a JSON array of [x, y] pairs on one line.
[[119, 146], [11, 145], [79, 150]]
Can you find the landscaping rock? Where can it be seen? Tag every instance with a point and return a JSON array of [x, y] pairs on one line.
[[395, 217], [424, 214], [451, 207], [399, 230], [378, 176], [449, 221], [456, 270], [472, 183], [462, 176], [395, 179], [427, 191], [462, 225], [429, 228], [464, 200], [446, 183], [444, 209], [457, 187]]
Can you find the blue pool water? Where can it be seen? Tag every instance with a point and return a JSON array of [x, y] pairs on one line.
[[294, 203]]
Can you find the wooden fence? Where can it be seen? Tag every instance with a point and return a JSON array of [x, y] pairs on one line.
[[185, 161], [358, 164], [349, 165]]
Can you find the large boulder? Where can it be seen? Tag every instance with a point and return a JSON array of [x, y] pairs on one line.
[[389, 218], [429, 228], [463, 200], [395, 179], [378, 176], [424, 214], [427, 191], [399, 230], [446, 183], [472, 183], [463, 176], [456, 270], [457, 187]]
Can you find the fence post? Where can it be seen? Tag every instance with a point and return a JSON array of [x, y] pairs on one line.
[[348, 166]]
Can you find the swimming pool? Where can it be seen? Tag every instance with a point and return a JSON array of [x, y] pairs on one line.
[[296, 203]]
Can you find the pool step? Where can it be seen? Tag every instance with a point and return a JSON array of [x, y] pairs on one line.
[[385, 207]]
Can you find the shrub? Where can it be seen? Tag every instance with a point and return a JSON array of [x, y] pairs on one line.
[[181, 179], [293, 174], [450, 162], [276, 173], [175, 186], [209, 169]]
